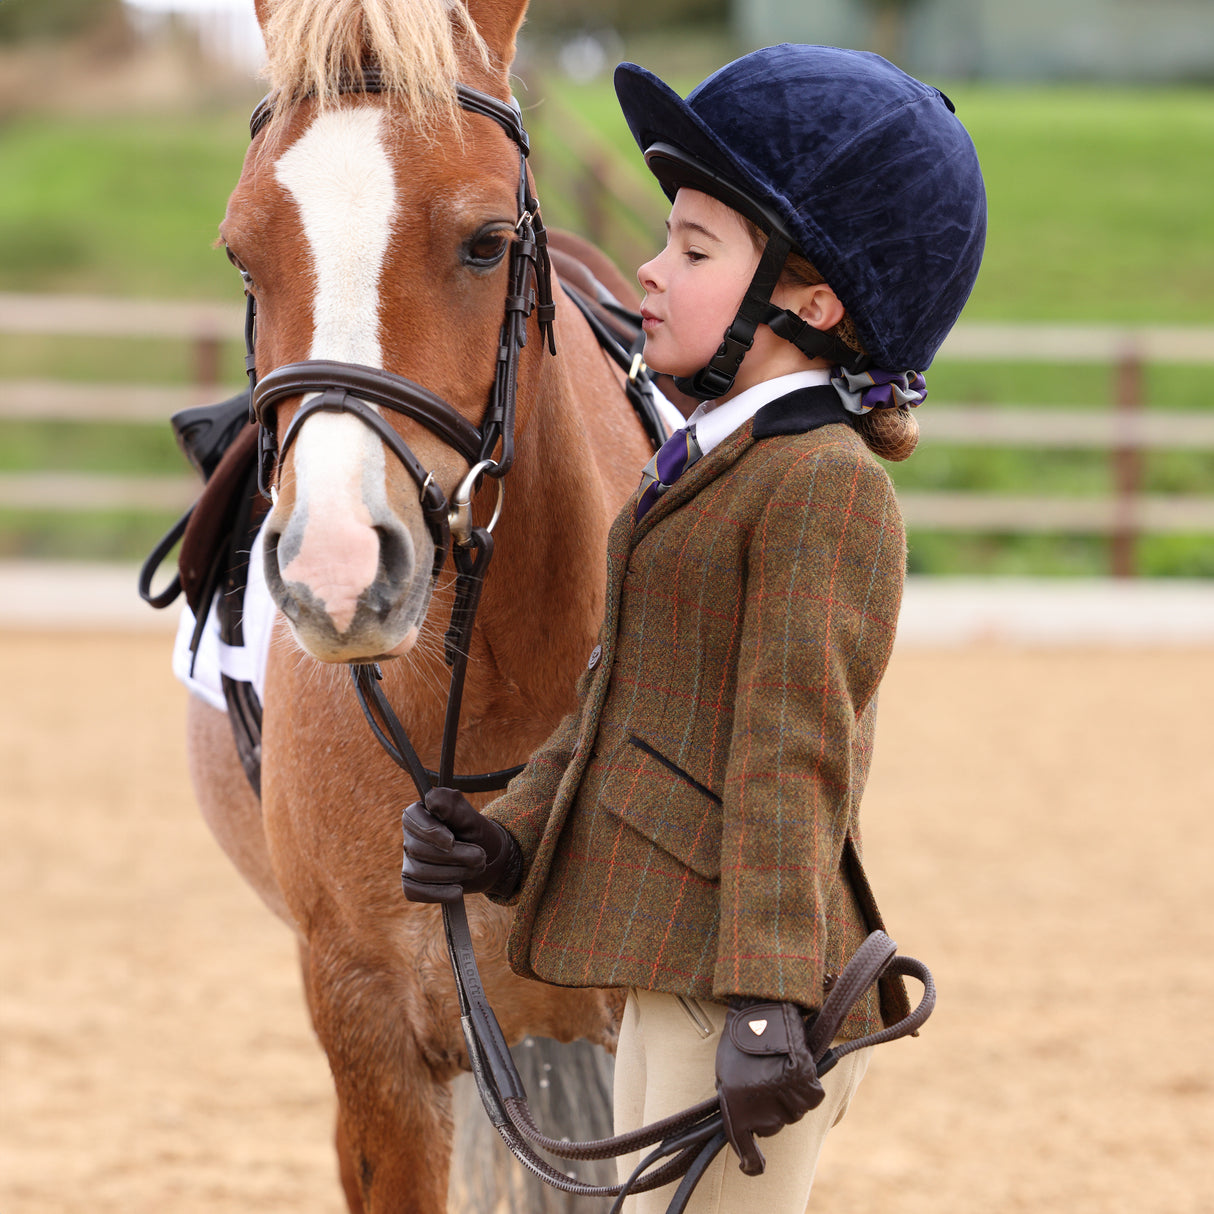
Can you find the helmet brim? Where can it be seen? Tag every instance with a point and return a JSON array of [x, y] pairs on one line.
[[675, 169], [680, 150]]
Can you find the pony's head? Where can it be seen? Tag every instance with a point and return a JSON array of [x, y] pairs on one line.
[[373, 230]]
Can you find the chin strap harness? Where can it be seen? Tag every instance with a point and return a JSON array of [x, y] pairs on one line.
[[756, 308]]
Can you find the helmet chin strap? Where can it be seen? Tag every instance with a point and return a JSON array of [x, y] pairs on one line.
[[756, 308]]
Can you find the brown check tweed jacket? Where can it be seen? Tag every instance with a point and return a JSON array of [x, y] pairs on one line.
[[693, 827]]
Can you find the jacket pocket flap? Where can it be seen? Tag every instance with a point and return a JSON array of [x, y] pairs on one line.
[[666, 805]]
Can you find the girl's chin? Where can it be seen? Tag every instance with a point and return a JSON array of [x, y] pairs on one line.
[[663, 363]]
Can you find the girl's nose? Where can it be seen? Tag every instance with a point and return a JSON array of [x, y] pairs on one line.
[[647, 275]]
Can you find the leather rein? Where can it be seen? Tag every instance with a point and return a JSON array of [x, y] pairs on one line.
[[685, 1144]]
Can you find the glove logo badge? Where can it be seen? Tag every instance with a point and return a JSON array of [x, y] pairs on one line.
[[757, 1027]]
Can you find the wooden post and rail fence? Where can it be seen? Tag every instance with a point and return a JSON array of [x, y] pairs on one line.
[[1125, 429], [613, 203]]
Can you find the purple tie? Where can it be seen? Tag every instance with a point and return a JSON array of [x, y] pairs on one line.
[[673, 458]]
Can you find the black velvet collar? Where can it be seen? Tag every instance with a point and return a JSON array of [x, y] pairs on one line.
[[801, 411]]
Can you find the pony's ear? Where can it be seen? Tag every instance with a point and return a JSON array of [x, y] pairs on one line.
[[498, 22]]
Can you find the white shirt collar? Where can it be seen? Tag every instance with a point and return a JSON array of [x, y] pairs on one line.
[[714, 423]]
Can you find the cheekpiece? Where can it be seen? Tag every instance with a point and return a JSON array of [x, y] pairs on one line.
[[866, 169]]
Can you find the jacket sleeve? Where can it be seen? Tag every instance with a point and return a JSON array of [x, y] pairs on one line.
[[824, 573], [524, 807]]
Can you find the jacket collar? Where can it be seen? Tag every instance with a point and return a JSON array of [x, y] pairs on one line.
[[714, 422], [796, 413], [802, 411]]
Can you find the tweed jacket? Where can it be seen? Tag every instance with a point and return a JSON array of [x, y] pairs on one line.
[[693, 826]]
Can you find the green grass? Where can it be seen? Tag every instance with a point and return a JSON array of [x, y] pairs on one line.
[[1073, 385], [1099, 199], [1099, 212], [118, 206], [94, 447], [111, 359], [1099, 203], [1053, 556], [99, 535]]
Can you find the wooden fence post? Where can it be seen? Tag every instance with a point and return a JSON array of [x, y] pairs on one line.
[[207, 349], [1127, 461], [592, 197]]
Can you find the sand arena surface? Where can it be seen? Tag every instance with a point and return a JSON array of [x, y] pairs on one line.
[[1039, 831]]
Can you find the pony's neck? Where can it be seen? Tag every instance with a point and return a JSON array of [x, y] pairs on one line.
[[578, 455], [543, 599]]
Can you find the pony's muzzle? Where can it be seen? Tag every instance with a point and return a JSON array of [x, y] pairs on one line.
[[349, 588]]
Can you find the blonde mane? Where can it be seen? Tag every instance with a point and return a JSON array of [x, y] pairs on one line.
[[312, 45]]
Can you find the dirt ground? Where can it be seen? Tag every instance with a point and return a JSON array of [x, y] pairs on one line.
[[1039, 831]]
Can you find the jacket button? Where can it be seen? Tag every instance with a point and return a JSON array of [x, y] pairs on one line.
[[596, 655]]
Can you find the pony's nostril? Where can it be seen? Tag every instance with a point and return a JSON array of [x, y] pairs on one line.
[[272, 568], [395, 555], [270, 556]]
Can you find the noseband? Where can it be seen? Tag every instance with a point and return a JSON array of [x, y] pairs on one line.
[[340, 387]]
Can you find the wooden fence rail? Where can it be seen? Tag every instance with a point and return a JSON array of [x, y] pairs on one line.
[[1125, 430]]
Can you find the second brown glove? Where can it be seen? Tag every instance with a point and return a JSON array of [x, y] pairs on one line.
[[766, 1077]]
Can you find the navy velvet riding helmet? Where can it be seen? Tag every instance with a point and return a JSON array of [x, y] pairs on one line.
[[849, 161]]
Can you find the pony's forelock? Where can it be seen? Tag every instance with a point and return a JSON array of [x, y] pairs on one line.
[[417, 45]]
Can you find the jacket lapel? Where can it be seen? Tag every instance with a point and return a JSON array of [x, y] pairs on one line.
[[701, 473]]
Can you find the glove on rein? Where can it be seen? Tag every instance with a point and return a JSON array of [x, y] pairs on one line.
[[451, 850], [766, 1077]]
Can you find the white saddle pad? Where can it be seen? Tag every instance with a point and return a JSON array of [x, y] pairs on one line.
[[247, 662]]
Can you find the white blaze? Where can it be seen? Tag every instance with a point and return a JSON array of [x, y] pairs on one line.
[[339, 176], [341, 179]]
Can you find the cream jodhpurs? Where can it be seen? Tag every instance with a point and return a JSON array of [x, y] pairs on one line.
[[666, 1061]]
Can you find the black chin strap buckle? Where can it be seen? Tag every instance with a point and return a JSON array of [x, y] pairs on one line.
[[714, 380]]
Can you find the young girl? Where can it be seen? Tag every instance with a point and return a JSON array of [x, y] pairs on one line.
[[691, 832]]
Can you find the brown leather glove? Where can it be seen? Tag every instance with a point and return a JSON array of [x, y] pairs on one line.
[[766, 1077], [451, 850]]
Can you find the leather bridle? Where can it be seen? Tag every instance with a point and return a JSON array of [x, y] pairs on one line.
[[685, 1144], [352, 388]]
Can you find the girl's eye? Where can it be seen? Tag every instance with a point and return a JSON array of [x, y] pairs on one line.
[[694, 256], [485, 249]]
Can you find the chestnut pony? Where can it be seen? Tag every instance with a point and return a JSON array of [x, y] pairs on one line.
[[373, 229]]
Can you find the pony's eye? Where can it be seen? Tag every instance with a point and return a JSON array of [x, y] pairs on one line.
[[485, 249], [244, 274]]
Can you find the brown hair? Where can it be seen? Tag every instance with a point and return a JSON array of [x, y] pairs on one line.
[[892, 434]]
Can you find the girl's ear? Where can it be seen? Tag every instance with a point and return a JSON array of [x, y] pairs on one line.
[[817, 305]]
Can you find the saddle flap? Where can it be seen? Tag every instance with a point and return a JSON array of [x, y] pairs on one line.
[[210, 525]]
